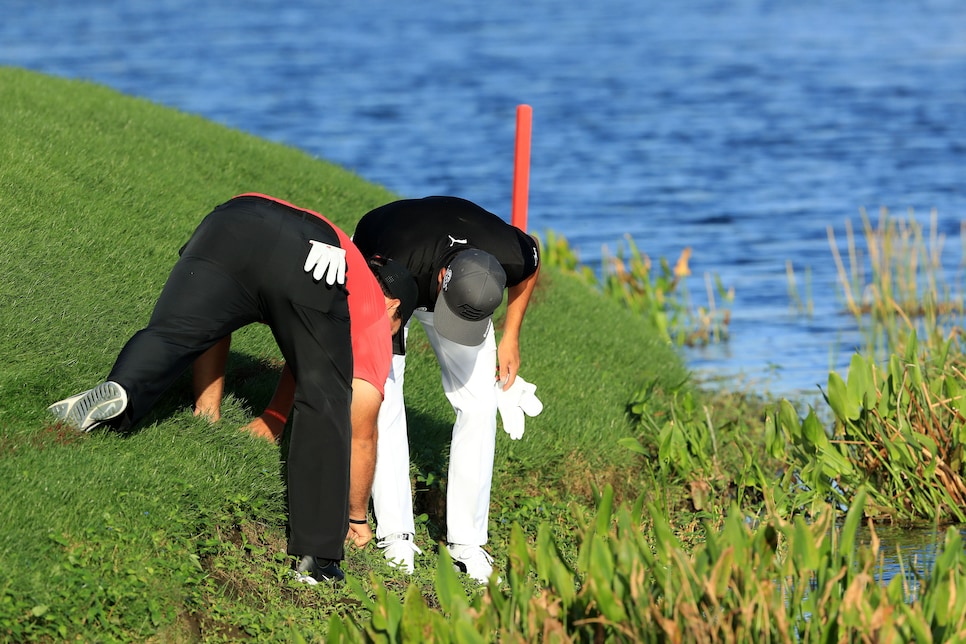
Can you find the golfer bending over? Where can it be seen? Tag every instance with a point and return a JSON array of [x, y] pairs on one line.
[[372, 357], [257, 259]]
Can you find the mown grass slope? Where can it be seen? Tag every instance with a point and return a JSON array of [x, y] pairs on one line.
[[97, 192]]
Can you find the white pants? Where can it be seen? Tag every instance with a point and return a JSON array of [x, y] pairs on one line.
[[468, 376]]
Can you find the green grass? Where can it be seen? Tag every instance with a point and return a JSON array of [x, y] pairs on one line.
[[177, 531], [636, 508]]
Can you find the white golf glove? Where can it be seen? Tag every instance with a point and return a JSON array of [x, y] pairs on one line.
[[513, 403], [326, 260]]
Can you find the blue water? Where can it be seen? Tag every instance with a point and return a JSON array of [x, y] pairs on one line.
[[740, 129]]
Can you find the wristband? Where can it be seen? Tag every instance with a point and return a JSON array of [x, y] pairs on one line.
[[359, 521], [276, 415]]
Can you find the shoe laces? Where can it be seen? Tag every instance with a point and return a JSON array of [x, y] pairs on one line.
[[399, 540], [465, 553]]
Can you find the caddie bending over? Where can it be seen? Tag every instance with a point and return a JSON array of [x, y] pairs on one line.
[[463, 258]]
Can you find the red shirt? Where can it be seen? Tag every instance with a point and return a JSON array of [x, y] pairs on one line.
[[370, 327]]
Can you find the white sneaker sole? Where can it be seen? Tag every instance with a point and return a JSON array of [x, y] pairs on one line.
[[88, 409]]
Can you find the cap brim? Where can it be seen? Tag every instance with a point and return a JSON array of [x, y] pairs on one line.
[[399, 342], [400, 282], [469, 333]]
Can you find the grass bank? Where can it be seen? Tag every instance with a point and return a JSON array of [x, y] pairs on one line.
[[176, 532]]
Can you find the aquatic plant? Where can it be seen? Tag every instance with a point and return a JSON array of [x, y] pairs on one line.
[[897, 285], [898, 435], [775, 580], [659, 295], [701, 443]]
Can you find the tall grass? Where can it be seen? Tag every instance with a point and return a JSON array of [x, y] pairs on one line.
[[898, 285], [658, 294]]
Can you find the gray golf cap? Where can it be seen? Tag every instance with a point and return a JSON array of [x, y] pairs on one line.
[[472, 289]]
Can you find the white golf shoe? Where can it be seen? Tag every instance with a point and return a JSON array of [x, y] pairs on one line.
[[472, 561], [400, 551]]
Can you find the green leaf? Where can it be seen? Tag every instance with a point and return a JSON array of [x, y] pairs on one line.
[[517, 553], [419, 619], [941, 602], [774, 439], [637, 512], [912, 347], [734, 533], [956, 395], [924, 440], [814, 431], [336, 632], [725, 563], [464, 633], [835, 464], [604, 510], [387, 612], [602, 578], [544, 552], [921, 631], [562, 581], [838, 398], [860, 388], [915, 375], [452, 598], [788, 419], [551, 568], [632, 444], [804, 547], [665, 445], [666, 543], [851, 526], [896, 380], [359, 593]]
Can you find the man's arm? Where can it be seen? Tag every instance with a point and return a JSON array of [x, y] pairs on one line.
[[366, 401], [508, 351], [208, 379], [271, 424]]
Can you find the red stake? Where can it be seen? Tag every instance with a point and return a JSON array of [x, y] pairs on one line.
[[521, 167]]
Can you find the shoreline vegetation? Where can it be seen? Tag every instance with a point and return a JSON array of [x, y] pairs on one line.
[[638, 507]]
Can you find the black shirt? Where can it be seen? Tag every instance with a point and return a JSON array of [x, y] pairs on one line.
[[425, 234]]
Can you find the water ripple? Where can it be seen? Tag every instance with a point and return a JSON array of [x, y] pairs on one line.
[[741, 129]]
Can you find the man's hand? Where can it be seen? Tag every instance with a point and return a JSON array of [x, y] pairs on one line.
[[325, 260], [360, 534], [508, 359]]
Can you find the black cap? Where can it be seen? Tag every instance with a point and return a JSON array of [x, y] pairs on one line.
[[399, 281]]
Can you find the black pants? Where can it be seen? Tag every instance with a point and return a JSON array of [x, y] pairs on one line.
[[244, 264]]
